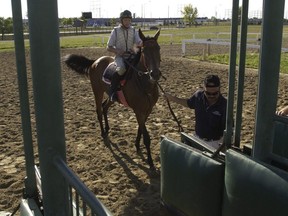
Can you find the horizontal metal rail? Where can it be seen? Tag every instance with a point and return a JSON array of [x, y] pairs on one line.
[[218, 42]]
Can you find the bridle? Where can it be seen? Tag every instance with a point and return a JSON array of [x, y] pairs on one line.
[[149, 42]]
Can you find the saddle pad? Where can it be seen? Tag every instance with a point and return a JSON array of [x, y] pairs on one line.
[[107, 76], [121, 98], [108, 73]]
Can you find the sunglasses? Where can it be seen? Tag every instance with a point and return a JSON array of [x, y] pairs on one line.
[[212, 93]]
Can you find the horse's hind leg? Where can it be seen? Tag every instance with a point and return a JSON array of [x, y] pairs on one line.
[[105, 106], [100, 120], [100, 113]]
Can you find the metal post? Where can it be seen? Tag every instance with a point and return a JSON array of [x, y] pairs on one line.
[[231, 80], [269, 68], [241, 74], [46, 74], [30, 183]]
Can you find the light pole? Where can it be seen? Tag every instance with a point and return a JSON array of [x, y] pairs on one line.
[[143, 8]]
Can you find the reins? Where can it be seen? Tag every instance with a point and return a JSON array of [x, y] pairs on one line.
[[140, 73], [171, 111]]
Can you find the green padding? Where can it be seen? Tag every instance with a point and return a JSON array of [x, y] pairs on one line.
[[190, 182], [280, 142], [253, 189]]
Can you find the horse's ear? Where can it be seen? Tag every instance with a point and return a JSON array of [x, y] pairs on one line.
[[157, 35], [141, 35]]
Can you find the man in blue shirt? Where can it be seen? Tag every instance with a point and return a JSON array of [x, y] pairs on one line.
[[210, 110]]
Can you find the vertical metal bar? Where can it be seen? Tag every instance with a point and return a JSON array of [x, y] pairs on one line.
[[77, 204], [84, 208], [30, 183], [270, 56], [81, 188], [241, 73], [70, 200], [47, 89], [231, 80]]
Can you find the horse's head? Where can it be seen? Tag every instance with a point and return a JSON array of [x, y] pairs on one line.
[[151, 54]]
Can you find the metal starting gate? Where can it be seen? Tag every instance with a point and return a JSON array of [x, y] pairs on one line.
[[195, 180], [53, 189]]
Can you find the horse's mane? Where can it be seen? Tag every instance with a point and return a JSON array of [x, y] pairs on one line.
[[137, 57]]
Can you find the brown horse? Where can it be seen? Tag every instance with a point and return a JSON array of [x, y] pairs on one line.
[[140, 90]]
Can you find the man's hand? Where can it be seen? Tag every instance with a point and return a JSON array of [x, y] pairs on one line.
[[283, 111], [168, 96]]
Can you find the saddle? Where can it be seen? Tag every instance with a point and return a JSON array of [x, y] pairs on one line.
[[130, 59]]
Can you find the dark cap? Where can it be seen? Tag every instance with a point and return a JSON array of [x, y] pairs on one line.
[[212, 81], [125, 14]]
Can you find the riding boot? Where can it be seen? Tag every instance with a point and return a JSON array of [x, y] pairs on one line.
[[114, 87]]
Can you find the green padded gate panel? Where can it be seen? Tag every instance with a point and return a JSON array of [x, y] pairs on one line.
[[253, 189], [280, 142], [191, 183]]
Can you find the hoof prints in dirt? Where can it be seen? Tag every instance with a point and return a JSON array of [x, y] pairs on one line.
[[113, 171]]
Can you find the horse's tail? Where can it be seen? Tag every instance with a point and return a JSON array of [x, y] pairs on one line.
[[78, 63]]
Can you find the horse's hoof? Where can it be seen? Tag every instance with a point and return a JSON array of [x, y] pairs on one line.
[[107, 142], [153, 172]]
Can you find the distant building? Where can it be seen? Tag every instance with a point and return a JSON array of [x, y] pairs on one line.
[[201, 20], [78, 23], [254, 21], [135, 21], [87, 15]]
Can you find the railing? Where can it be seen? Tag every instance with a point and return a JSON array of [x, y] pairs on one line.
[[82, 202], [220, 42], [82, 194]]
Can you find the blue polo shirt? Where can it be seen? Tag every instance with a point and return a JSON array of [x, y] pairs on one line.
[[210, 120]]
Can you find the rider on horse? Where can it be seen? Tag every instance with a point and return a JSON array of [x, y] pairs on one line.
[[121, 43]]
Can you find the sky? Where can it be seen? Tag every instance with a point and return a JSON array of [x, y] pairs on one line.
[[141, 8]]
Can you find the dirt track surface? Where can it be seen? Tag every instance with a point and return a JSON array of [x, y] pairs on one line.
[[116, 174]]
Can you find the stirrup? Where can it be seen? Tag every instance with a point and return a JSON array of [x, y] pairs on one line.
[[113, 97]]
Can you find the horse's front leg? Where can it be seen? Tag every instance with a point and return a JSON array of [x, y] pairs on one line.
[[147, 142], [138, 138], [142, 130]]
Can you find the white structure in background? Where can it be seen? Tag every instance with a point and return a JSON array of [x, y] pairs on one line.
[[95, 8]]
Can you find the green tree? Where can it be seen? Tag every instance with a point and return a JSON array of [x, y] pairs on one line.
[[6, 26], [66, 23], [239, 14], [189, 14], [214, 20], [112, 22]]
